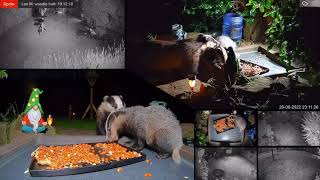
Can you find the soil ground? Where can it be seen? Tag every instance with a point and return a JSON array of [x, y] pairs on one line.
[[293, 165], [286, 128], [235, 167], [22, 46]]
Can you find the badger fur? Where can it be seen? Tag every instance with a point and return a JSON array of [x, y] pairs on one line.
[[108, 105], [171, 61], [154, 126], [226, 42]]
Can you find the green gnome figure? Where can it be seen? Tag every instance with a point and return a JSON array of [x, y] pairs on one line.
[[32, 115]]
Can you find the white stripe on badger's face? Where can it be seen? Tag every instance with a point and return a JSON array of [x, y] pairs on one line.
[[118, 101], [108, 107], [225, 54]]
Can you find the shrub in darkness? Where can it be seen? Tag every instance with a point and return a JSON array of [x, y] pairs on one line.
[[311, 128]]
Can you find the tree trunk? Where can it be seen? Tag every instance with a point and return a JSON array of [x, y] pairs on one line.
[[272, 154]]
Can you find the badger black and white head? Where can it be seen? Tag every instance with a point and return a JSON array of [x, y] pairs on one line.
[[216, 49], [154, 126], [108, 105]]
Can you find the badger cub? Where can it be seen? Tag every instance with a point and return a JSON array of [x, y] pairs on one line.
[[154, 126]]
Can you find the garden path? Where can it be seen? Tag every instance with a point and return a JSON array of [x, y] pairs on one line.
[[23, 47]]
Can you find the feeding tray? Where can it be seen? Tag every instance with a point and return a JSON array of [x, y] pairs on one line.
[[230, 134], [250, 70], [224, 124], [107, 159], [259, 62]]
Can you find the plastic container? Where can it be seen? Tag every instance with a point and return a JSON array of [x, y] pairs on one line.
[[233, 26]]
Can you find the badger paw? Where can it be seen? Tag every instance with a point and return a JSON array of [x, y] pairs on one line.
[[163, 155]]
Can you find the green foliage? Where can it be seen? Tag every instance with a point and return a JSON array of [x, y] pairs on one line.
[[284, 30], [202, 138], [3, 74], [254, 8], [206, 15]]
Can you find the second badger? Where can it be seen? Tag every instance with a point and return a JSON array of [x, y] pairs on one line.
[[153, 125]]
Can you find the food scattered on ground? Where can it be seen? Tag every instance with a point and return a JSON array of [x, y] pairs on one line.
[[148, 160], [250, 69], [79, 155], [147, 174], [224, 124]]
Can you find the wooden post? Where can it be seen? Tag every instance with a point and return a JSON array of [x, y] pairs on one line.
[[92, 78], [70, 112]]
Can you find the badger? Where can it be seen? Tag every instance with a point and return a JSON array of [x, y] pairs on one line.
[[226, 42], [154, 126], [170, 61], [108, 105]]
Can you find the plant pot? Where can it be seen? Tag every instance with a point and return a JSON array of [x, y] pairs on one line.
[[50, 130], [12, 129], [3, 133]]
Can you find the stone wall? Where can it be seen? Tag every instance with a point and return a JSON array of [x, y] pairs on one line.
[[12, 17], [108, 16]]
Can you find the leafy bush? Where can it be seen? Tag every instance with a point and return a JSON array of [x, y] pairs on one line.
[[254, 8], [8, 123], [202, 126], [3, 74], [206, 15], [202, 138], [11, 113], [284, 31], [311, 128], [317, 175]]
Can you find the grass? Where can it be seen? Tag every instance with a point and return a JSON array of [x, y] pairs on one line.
[[82, 124], [110, 57]]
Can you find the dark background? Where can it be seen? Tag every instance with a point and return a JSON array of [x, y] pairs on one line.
[[157, 16], [64, 87], [311, 27]]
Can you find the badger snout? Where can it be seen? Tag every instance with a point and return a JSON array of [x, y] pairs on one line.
[[218, 65]]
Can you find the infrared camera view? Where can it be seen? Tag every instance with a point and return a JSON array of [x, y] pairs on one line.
[[89, 35], [289, 163], [227, 163]]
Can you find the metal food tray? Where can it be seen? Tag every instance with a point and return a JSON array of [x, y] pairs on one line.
[[232, 135], [225, 130], [263, 58], [40, 171]]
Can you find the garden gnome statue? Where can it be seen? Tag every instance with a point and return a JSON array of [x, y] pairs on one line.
[[32, 116]]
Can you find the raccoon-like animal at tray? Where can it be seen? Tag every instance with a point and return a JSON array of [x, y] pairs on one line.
[[154, 126]]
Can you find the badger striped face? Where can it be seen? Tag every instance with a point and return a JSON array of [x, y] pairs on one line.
[[113, 103], [213, 50]]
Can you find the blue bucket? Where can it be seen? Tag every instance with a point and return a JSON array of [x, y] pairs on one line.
[[232, 26]]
